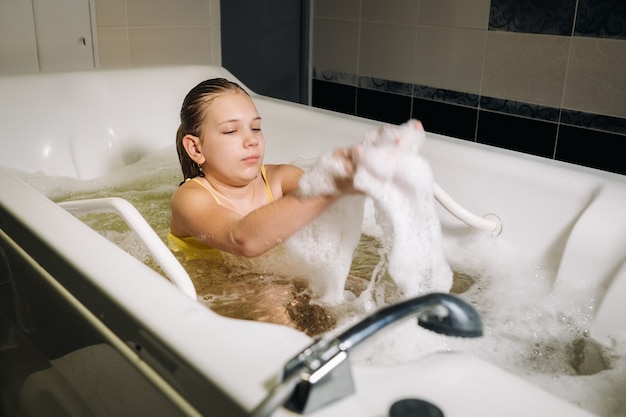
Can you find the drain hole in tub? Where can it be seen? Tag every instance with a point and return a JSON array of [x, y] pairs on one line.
[[583, 356], [587, 357]]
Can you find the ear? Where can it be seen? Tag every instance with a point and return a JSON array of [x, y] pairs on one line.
[[193, 146]]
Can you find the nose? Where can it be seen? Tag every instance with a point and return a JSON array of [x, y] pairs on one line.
[[251, 138]]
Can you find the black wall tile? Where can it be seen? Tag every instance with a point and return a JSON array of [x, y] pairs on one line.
[[584, 138], [531, 136], [385, 107], [550, 17], [533, 111], [592, 148], [446, 96], [446, 119], [593, 121], [332, 96], [337, 77], [388, 86], [601, 19]]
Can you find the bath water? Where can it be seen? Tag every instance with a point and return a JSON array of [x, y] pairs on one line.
[[527, 331]]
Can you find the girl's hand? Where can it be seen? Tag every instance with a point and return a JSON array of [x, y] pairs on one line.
[[345, 181], [332, 174]]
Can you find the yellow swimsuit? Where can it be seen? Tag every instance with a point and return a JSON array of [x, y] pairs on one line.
[[190, 246]]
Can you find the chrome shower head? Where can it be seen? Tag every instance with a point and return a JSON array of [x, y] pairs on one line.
[[451, 316]]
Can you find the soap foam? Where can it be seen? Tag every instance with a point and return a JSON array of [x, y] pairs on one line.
[[528, 330], [391, 172]]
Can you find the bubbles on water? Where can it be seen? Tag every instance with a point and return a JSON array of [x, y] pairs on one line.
[[528, 330]]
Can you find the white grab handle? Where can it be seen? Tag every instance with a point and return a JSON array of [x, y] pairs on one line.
[[490, 222], [166, 260]]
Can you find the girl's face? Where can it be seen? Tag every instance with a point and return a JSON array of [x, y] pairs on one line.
[[232, 142]]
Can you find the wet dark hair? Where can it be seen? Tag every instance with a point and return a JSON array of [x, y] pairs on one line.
[[192, 115]]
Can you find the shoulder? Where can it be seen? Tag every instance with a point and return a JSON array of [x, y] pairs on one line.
[[284, 177], [283, 170], [188, 202], [191, 190]]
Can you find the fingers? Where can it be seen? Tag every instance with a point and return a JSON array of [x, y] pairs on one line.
[[345, 157]]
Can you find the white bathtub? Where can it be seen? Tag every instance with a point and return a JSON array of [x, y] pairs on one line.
[[79, 332]]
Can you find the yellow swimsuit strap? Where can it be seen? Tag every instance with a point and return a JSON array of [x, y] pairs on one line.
[[268, 190], [199, 181]]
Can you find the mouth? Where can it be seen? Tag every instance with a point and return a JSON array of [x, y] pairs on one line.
[[251, 159]]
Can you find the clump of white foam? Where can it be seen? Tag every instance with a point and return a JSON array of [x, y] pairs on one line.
[[398, 180], [393, 173], [322, 252], [325, 248]]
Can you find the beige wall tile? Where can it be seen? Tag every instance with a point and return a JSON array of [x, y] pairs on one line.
[[390, 11], [387, 51], [344, 9], [170, 46], [214, 10], [596, 79], [113, 46], [18, 42], [158, 32], [456, 13], [525, 67], [335, 44], [111, 12], [216, 46], [450, 58], [168, 12]]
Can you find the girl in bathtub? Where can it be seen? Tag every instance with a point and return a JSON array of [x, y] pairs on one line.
[[231, 208], [229, 200]]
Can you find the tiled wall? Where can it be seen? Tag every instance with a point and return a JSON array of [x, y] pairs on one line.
[[546, 78], [158, 32]]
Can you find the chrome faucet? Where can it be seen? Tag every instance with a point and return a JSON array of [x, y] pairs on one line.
[[321, 373]]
